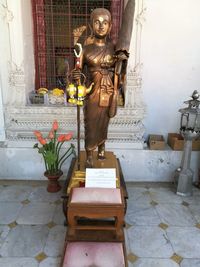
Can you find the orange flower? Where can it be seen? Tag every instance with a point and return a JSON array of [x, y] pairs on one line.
[[61, 138], [37, 134], [51, 135], [55, 125], [42, 141], [68, 136]]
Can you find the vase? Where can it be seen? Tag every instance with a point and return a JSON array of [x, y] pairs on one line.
[[53, 184]]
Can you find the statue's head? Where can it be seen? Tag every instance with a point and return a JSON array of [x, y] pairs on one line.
[[100, 21]]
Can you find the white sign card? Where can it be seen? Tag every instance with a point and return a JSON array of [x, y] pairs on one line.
[[104, 178]]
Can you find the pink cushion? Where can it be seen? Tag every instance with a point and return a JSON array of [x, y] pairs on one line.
[[85, 254], [96, 195]]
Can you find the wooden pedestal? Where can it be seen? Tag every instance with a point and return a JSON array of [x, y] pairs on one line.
[[77, 178]]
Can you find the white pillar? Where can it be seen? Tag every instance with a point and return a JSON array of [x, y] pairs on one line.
[[16, 93], [2, 130], [5, 16]]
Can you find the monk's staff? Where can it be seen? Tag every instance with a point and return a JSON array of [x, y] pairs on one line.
[[77, 67]]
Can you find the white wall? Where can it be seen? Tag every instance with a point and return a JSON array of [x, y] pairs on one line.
[[170, 53]]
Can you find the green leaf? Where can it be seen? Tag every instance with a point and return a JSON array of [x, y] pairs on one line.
[[50, 157]]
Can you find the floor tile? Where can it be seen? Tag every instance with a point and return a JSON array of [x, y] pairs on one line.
[[4, 230], [12, 224], [194, 199], [127, 242], [24, 241], [155, 263], [9, 211], [18, 262], [132, 257], [130, 264], [164, 195], [15, 193], [185, 241], [51, 224], [149, 241], [190, 263], [141, 214], [40, 194], [36, 213], [50, 262], [195, 210], [177, 258], [59, 217], [1, 188], [55, 241], [138, 194], [175, 215], [40, 257]]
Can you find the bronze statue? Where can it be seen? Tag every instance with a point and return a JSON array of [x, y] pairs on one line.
[[103, 67]]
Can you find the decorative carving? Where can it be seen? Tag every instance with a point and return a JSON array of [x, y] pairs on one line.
[[140, 18], [133, 90], [16, 75], [6, 14], [17, 84]]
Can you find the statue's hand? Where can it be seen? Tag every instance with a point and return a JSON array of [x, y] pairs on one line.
[[76, 74], [121, 55]]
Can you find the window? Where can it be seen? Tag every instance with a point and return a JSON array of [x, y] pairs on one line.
[[54, 22]]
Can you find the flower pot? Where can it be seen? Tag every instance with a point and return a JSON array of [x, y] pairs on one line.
[[53, 184]]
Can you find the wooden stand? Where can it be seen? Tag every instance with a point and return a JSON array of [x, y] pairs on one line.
[[90, 221]]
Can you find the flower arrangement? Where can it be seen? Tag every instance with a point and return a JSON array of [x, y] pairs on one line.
[[51, 149]]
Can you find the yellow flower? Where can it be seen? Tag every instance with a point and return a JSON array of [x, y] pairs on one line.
[[57, 92]]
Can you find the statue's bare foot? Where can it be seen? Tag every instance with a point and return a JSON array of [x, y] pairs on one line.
[[101, 152], [89, 161]]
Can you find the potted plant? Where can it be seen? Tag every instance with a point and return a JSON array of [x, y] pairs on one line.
[[50, 149]]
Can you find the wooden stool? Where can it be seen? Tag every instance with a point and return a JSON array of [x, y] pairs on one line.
[[94, 204]]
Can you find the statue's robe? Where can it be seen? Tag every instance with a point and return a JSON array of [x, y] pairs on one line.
[[100, 71]]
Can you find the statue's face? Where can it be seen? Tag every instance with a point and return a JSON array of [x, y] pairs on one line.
[[101, 25]]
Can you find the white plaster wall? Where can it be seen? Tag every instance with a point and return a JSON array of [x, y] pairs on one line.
[[171, 61], [137, 165]]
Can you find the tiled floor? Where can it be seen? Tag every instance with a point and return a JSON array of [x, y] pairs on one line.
[[162, 229]]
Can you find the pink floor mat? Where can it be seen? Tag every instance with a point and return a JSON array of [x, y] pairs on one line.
[[93, 254], [96, 195]]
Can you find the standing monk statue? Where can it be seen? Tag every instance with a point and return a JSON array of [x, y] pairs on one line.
[[103, 67]]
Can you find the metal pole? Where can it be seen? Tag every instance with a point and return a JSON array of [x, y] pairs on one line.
[[78, 136]]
